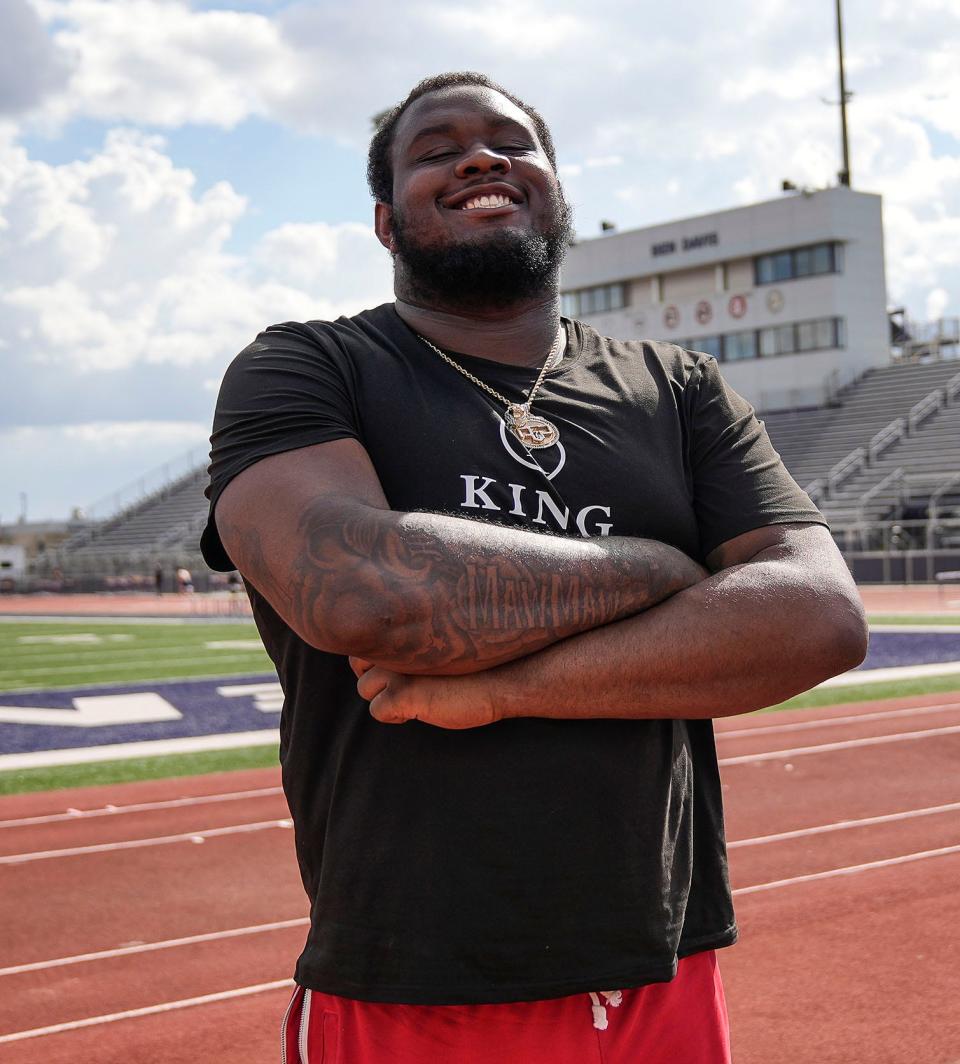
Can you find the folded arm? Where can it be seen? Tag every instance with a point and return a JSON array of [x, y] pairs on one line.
[[781, 615], [420, 593]]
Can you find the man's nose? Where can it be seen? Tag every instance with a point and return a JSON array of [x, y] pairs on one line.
[[482, 160]]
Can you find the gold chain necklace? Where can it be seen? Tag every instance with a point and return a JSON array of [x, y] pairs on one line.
[[533, 432]]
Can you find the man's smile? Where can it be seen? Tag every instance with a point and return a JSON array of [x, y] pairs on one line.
[[488, 199]]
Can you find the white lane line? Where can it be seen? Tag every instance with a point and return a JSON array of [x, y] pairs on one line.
[[149, 1010], [83, 755], [848, 871], [139, 663], [135, 844], [852, 718], [225, 995], [840, 825], [140, 807], [848, 744], [149, 947], [212, 936]]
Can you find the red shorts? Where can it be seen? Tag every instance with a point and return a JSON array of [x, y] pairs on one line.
[[680, 1022]]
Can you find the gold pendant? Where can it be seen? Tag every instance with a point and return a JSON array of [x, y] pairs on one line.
[[532, 431]]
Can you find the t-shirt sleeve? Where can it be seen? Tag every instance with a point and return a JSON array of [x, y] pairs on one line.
[[739, 480], [290, 388]]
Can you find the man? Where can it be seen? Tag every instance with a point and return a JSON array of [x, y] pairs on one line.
[[542, 840]]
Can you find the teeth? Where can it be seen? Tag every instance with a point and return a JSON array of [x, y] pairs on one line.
[[497, 200]]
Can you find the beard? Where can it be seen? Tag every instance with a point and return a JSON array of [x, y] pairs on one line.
[[501, 267]]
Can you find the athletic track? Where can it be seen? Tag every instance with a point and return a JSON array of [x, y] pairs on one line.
[[158, 922]]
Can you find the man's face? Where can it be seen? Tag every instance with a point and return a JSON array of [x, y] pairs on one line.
[[478, 216]]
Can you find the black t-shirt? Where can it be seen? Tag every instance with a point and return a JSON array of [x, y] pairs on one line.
[[530, 858]]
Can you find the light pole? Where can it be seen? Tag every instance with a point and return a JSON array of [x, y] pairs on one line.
[[844, 174]]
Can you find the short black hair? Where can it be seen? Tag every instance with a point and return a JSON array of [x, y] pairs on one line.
[[379, 166]]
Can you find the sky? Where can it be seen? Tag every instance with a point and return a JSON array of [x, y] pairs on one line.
[[175, 176]]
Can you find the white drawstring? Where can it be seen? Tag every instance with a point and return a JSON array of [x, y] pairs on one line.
[[613, 998]]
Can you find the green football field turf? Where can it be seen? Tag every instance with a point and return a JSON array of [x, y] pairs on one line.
[[45, 655]]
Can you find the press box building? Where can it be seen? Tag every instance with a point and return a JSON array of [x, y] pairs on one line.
[[789, 294]]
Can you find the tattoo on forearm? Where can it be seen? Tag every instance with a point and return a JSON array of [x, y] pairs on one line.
[[415, 599], [440, 605], [489, 598]]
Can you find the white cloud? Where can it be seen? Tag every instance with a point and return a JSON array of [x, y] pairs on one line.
[[342, 266], [115, 267], [160, 62], [118, 259], [32, 66], [164, 63], [496, 24], [106, 436]]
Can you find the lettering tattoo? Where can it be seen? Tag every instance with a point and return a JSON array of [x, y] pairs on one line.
[[424, 593]]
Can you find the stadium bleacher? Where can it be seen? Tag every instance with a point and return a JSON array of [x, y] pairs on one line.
[[899, 417], [167, 522]]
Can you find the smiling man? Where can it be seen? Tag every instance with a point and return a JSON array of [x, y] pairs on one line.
[[552, 557]]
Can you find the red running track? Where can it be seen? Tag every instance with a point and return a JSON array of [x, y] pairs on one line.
[[165, 930]]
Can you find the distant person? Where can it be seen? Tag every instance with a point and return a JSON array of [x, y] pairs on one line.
[[542, 841], [158, 579], [184, 581]]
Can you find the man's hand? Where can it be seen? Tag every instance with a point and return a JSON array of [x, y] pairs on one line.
[[395, 698], [780, 615]]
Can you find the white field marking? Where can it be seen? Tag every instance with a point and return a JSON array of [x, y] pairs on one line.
[[104, 685], [853, 718], [141, 807], [149, 1010], [79, 637], [898, 672], [94, 711], [235, 644], [136, 664], [848, 871], [137, 844], [848, 744], [267, 697], [83, 755], [150, 947], [842, 825]]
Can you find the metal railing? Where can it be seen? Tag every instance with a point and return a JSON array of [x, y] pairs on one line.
[[885, 437], [863, 457], [855, 460], [894, 477], [933, 508], [150, 482], [919, 412], [920, 534]]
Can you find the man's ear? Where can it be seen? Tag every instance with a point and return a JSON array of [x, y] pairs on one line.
[[383, 225]]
